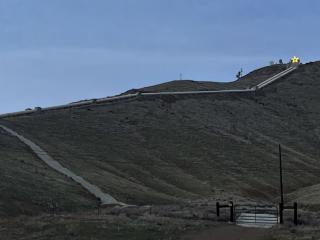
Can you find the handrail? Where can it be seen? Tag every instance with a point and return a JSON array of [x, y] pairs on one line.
[[128, 96], [276, 77]]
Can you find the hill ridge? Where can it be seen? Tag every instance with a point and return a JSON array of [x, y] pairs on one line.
[[164, 149], [286, 69]]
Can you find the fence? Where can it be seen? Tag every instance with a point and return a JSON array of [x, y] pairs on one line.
[[261, 215], [264, 216]]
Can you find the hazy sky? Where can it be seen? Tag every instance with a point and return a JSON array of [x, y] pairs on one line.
[[57, 51]]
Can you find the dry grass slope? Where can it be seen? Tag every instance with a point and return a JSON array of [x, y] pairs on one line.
[[175, 148], [247, 81], [28, 186]]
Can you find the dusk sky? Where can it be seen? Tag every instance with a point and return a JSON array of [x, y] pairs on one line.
[[58, 51]]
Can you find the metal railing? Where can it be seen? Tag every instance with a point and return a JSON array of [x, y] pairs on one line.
[[134, 95], [264, 215]]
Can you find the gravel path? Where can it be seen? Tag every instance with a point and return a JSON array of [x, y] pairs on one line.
[[44, 156]]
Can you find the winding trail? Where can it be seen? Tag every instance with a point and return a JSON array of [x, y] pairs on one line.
[[104, 198]]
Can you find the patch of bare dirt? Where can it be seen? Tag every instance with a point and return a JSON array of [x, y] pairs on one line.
[[229, 232]]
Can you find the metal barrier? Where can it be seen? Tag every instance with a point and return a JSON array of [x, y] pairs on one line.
[[256, 215], [138, 94], [275, 77]]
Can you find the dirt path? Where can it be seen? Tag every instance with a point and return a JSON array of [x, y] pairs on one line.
[[44, 156], [229, 232]]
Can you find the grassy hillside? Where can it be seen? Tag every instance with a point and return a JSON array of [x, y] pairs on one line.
[[28, 186], [308, 196], [247, 81], [173, 148]]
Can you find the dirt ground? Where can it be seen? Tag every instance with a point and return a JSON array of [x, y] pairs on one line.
[[131, 225], [230, 232]]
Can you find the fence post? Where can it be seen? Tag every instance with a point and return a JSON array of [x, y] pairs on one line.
[[255, 214], [218, 209], [231, 212], [281, 212], [295, 208], [99, 210]]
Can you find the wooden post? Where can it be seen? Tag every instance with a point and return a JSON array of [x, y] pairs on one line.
[[218, 209], [231, 212], [295, 208], [255, 214], [281, 212], [280, 168]]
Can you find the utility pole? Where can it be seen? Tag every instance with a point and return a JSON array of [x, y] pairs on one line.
[[281, 182], [180, 76]]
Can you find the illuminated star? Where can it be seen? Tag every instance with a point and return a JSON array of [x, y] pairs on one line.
[[295, 60]]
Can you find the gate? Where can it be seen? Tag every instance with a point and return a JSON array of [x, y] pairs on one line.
[[256, 215]]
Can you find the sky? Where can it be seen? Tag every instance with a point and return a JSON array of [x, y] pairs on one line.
[[57, 51]]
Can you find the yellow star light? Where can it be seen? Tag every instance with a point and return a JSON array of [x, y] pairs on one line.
[[295, 60]]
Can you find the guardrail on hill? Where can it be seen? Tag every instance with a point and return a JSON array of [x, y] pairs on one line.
[[70, 105], [128, 96], [275, 77]]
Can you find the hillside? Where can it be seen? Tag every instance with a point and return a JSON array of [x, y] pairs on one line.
[[28, 186], [247, 81], [308, 196], [161, 149]]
